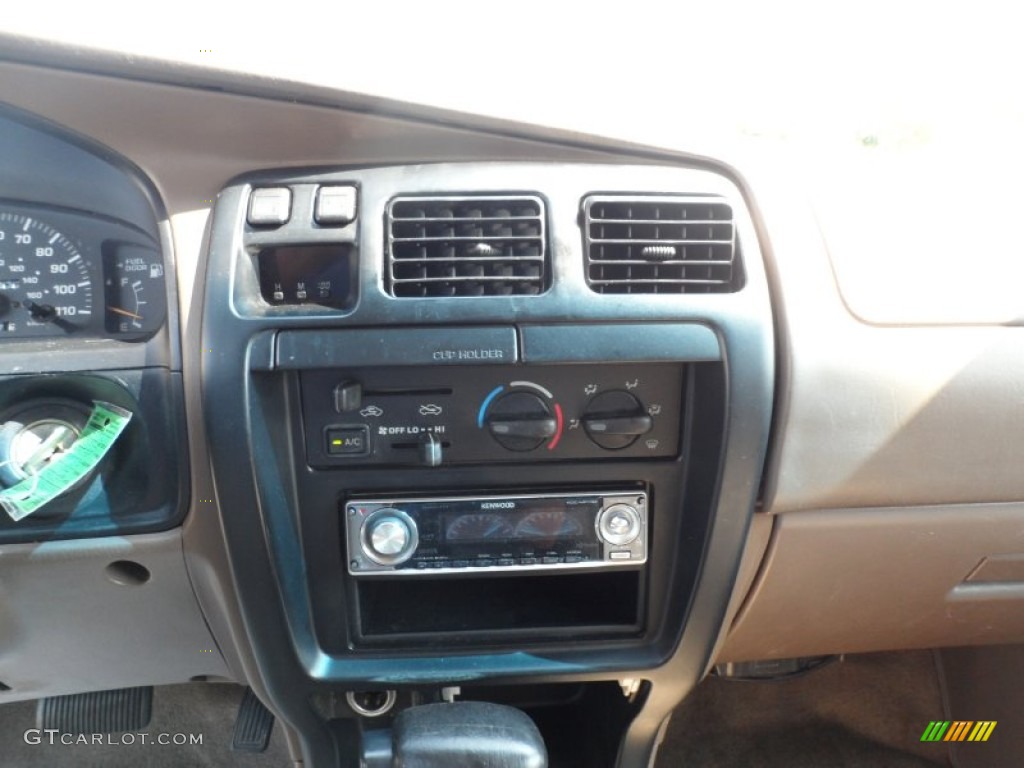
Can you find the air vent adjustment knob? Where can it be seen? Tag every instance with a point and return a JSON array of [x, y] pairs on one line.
[[614, 420], [521, 421]]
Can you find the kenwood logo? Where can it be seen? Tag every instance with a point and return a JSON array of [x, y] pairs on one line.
[[498, 505]]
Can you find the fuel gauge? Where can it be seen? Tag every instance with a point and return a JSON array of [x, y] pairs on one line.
[[133, 281]]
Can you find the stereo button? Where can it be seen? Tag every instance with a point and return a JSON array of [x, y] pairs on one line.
[[619, 524], [550, 560], [506, 561], [389, 537]]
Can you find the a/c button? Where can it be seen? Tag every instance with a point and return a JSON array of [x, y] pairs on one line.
[[342, 441]]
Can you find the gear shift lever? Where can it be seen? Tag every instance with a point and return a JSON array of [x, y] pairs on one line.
[[466, 734]]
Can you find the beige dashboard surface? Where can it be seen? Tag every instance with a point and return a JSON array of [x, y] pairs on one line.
[[922, 236], [879, 416]]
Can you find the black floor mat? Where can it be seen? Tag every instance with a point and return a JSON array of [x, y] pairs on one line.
[[865, 711], [204, 709]]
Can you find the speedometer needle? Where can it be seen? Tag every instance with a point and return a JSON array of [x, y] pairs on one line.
[[46, 313], [125, 312]]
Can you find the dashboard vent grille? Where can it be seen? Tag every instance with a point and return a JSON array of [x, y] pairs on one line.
[[466, 246], [660, 245]]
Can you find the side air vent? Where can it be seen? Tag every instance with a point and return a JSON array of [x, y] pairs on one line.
[[466, 246], [660, 245]]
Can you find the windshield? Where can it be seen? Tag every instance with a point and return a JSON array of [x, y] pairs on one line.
[[890, 113]]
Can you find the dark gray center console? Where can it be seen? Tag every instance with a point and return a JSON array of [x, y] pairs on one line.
[[488, 426]]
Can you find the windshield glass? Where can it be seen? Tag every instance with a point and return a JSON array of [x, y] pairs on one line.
[[870, 74], [894, 115]]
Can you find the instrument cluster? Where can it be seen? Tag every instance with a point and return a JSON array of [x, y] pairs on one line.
[[65, 273]]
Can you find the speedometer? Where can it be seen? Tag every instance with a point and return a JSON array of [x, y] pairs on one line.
[[45, 283]]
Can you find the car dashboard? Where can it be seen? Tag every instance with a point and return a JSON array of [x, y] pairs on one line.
[[418, 401]]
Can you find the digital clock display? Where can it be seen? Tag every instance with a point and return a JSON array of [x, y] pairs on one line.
[[308, 274]]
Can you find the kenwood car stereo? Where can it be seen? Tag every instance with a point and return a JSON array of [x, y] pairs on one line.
[[495, 533]]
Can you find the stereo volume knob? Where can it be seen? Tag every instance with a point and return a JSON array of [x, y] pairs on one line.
[[619, 524], [389, 536]]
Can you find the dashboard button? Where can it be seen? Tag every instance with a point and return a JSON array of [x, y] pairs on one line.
[[460, 563], [528, 561], [506, 561], [348, 441], [270, 206], [621, 555], [550, 559], [573, 559], [483, 563], [335, 205]]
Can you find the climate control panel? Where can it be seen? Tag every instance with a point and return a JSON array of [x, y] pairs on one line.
[[478, 414]]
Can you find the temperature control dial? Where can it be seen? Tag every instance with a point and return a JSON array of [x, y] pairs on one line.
[[615, 420], [389, 536], [521, 421], [619, 524]]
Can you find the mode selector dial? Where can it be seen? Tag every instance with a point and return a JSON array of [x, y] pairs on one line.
[[619, 524], [615, 419], [389, 536], [521, 421]]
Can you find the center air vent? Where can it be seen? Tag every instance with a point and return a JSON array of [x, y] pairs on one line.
[[660, 245], [466, 246]]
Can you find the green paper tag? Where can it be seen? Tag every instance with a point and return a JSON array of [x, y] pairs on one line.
[[106, 423]]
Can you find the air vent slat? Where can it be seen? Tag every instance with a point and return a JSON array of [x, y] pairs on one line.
[[462, 219], [694, 222], [657, 241], [456, 279], [676, 262], [660, 245], [482, 259], [667, 281], [463, 238], [466, 246]]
